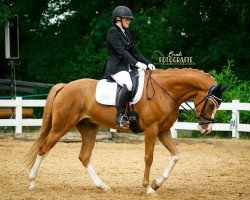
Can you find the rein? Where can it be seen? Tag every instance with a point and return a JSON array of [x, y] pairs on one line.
[[190, 112]]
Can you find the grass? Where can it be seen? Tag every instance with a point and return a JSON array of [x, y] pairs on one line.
[[219, 135]]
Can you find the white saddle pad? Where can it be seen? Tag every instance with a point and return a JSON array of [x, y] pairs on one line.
[[106, 91]]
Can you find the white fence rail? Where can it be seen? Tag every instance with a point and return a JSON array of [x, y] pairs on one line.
[[234, 126]]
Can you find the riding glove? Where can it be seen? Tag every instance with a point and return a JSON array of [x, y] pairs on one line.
[[141, 66], [151, 67]]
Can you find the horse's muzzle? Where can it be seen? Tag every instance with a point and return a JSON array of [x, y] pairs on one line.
[[205, 129]]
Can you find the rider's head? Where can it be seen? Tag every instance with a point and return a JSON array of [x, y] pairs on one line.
[[122, 16]]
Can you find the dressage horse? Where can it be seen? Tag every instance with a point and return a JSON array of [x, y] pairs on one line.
[[74, 105]]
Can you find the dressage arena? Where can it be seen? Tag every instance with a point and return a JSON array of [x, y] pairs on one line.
[[208, 169]]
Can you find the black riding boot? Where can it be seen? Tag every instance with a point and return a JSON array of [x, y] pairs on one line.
[[121, 104]]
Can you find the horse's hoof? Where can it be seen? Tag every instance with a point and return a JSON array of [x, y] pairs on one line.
[[32, 186], [151, 191], [105, 187], [145, 185], [156, 184]]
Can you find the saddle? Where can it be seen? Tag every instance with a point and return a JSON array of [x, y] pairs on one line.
[[107, 90]]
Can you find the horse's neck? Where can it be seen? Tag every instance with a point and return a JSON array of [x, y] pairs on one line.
[[185, 84]]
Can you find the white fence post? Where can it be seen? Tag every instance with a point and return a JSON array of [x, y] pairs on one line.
[[18, 115], [174, 132], [112, 131], [234, 123]]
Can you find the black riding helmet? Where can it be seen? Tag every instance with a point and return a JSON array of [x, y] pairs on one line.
[[122, 11]]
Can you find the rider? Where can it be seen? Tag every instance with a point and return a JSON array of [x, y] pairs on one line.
[[122, 57]]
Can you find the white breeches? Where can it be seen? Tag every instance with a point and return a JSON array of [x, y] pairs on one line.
[[122, 78]]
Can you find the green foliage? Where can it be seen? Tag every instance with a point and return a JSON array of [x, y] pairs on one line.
[[72, 46], [236, 90]]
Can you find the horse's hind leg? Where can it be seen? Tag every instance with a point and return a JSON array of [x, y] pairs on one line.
[[52, 138], [166, 140], [88, 132], [61, 124]]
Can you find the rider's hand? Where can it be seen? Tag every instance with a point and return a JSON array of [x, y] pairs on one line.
[[151, 67], [141, 66]]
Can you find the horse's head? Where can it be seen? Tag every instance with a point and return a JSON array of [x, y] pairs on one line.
[[206, 106]]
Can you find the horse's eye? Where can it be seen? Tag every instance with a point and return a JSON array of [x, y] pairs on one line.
[[211, 105]]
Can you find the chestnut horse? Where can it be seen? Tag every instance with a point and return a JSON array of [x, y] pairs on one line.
[[74, 105]]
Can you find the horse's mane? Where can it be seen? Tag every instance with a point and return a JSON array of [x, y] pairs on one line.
[[185, 70]]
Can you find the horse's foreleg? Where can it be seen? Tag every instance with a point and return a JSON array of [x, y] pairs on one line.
[[98, 182], [160, 180], [150, 138], [88, 132], [166, 139]]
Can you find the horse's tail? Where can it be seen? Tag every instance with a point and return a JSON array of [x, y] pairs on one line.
[[46, 125]]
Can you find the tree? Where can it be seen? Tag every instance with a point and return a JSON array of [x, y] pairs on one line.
[[62, 41]]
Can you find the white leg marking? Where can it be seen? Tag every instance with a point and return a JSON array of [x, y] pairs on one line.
[[170, 166], [33, 172], [151, 191], [160, 180], [96, 179]]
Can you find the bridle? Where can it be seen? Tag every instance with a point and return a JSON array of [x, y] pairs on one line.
[[210, 96], [216, 101]]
